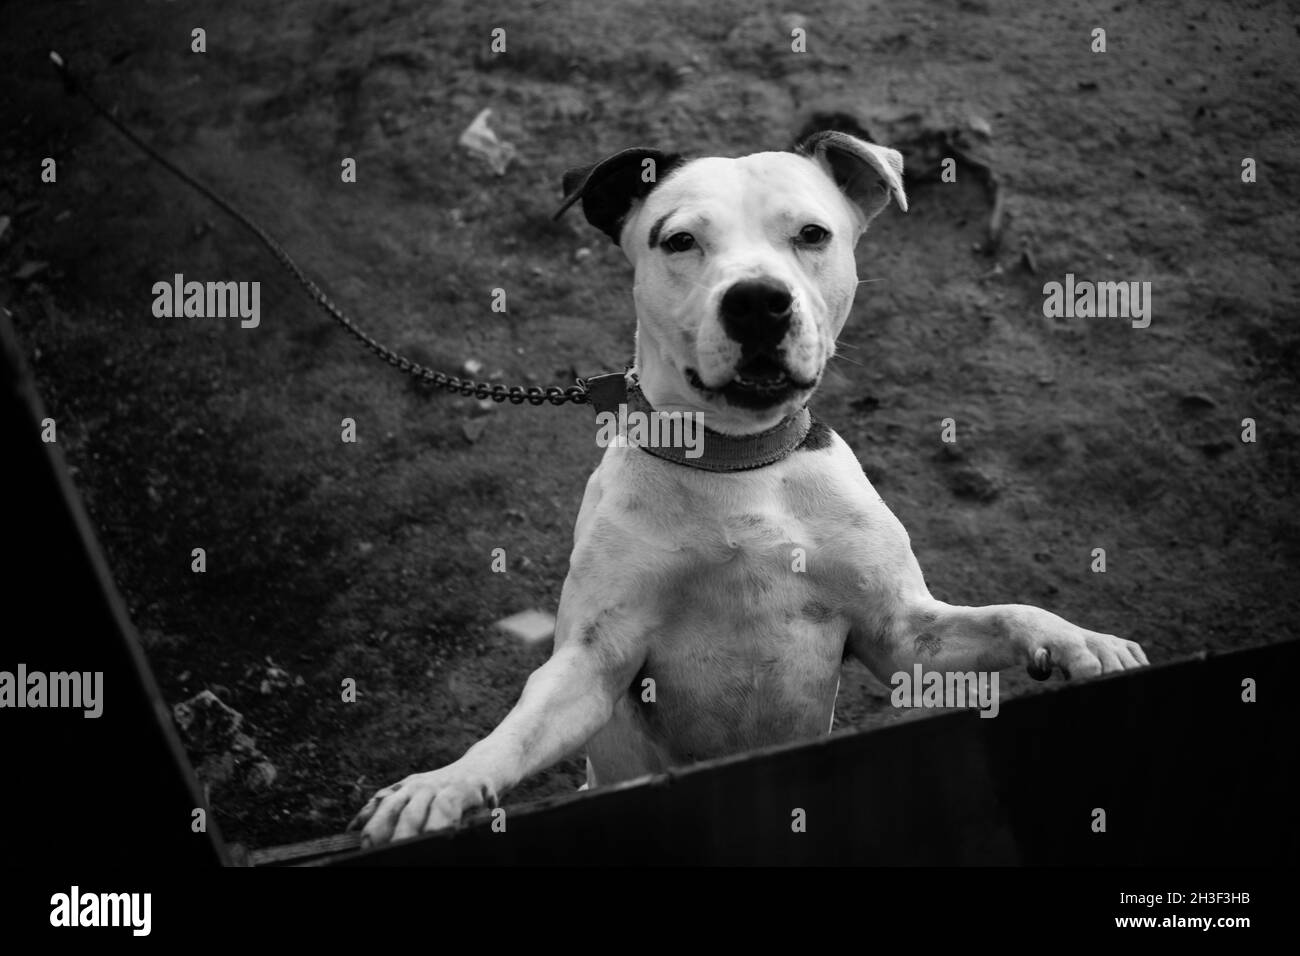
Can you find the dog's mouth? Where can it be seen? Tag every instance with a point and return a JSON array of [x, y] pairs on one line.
[[758, 383]]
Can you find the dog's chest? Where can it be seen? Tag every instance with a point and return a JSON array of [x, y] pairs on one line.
[[748, 647], [742, 583], [749, 555], [738, 575]]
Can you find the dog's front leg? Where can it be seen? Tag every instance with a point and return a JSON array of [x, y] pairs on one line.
[[946, 637], [564, 702]]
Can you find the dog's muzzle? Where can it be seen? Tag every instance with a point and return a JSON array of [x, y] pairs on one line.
[[756, 314]]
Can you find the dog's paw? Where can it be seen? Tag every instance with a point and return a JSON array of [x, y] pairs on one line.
[[1081, 653], [421, 803]]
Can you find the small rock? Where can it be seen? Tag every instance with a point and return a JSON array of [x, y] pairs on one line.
[[471, 367], [970, 482], [30, 268], [473, 430], [4, 225], [222, 750], [581, 253], [262, 775], [276, 677], [530, 627], [207, 722], [482, 142]]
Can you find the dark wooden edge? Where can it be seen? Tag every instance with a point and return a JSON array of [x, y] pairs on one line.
[[21, 385], [326, 850]]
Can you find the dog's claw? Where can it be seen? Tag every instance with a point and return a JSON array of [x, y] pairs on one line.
[[1041, 667]]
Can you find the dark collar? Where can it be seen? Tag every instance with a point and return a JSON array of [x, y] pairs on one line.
[[618, 394]]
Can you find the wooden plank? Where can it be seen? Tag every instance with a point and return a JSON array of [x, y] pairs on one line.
[[119, 785], [1188, 773], [306, 853]]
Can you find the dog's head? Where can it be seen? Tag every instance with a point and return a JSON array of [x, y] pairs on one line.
[[744, 267]]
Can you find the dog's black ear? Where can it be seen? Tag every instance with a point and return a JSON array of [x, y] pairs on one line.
[[868, 174], [609, 188]]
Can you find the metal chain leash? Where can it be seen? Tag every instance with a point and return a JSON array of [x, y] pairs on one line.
[[515, 394]]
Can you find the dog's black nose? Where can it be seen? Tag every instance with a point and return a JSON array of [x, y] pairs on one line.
[[756, 312]]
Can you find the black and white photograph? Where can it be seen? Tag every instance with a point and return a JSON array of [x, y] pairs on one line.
[[553, 433]]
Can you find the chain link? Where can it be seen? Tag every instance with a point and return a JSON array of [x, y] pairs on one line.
[[497, 392]]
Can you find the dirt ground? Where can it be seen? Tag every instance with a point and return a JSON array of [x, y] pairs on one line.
[[372, 560]]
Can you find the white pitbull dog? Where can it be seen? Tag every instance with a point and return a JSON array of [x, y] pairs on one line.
[[740, 580]]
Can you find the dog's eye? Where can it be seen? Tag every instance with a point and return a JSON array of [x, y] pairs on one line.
[[680, 242], [813, 235]]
